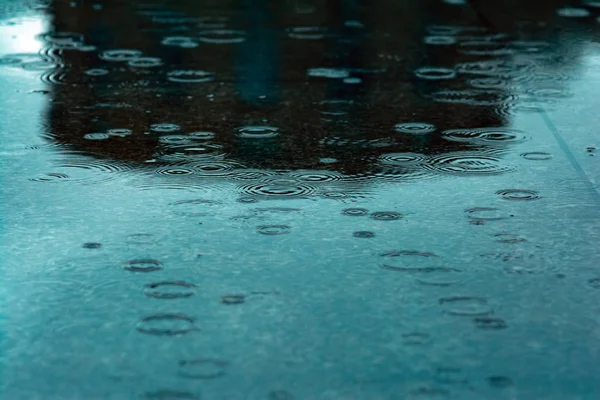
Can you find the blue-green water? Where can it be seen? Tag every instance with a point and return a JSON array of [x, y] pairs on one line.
[[312, 216]]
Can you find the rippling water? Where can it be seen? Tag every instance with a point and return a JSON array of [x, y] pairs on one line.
[[328, 200]]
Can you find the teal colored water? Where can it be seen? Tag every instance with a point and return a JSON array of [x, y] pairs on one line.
[[337, 200]]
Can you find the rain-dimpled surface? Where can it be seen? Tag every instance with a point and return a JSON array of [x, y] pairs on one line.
[[320, 200]]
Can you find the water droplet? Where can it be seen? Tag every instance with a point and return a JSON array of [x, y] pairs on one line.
[[92, 245], [143, 265], [232, 299], [487, 323], [258, 132], [120, 132], [203, 368], [573, 12], [165, 127], [594, 282], [222, 36], [511, 238], [96, 136], [364, 234], [118, 55], [171, 395], [331, 73], [435, 73], [386, 215], [485, 214], [467, 163], [499, 381], [274, 229], [355, 212], [465, 306], [418, 128], [169, 289], [141, 238], [440, 40], [415, 338], [145, 62], [97, 72], [518, 194], [166, 325], [485, 136], [190, 76]]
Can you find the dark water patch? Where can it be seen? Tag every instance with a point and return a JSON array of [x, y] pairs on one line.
[[92, 245], [364, 234], [594, 282], [166, 325], [169, 289], [233, 299], [499, 381], [486, 323]]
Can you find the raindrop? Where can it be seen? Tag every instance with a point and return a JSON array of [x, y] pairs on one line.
[[143, 265], [96, 136], [316, 176], [594, 282], [232, 299], [440, 40], [467, 163], [202, 368], [86, 173], [178, 41], [465, 306], [511, 238], [61, 37], [141, 238], [190, 76], [411, 261], [331, 73], [403, 159], [258, 132], [355, 212], [171, 395], [173, 171], [415, 338], [573, 12], [308, 32], [276, 190], [536, 156], [415, 127], [97, 72], [499, 381], [145, 62], [193, 208], [120, 55], [169, 290], [435, 73], [280, 395], [364, 234], [222, 36], [166, 325], [165, 127], [120, 132], [247, 200], [489, 83], [386, 215], [174, 139], [92, 245], [202, 135], [273, 230], [485, 214], [214, 168], [486, 136], [490, 323], [518, 194]]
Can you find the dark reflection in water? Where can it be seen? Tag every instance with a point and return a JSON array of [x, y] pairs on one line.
[[338, 86]]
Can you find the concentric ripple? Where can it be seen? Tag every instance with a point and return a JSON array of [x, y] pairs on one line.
[[316, 176], [435, 73], [386, 215], [274, 230], [487, 323], [412, 261], [166, 325], [276, 190], [418, 128], [403, 159], [120, 55], [355, 212], [190, 76], [475, 97], [174, 170], [467, 163], [519, 194], [85, 173], [258, 132], [485, 214], [203, 368], [143, 265], [536, 156], [485, 136], [165, 127], [145, 62]]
